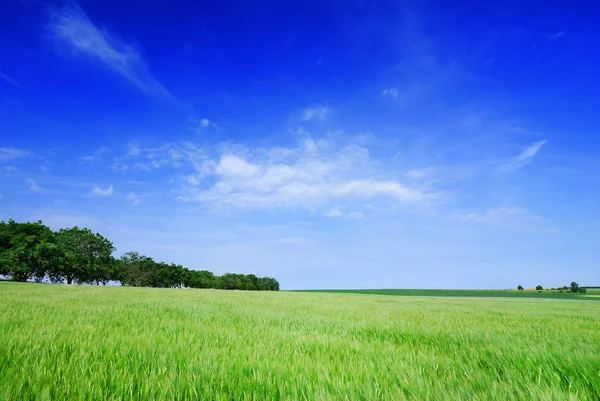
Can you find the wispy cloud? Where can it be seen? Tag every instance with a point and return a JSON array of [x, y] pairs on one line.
[[8, 79], [523, 158], [136, 199], [313, 175], [315, 113], [511, 217], [98, 191], [71, 26], [34, 187], [97, 155], [8, 154], [338, 212], [495, 216], [556, 36], [199, 125], [391, 92]]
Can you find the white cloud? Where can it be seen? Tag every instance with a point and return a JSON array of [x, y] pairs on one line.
[[391, 92], [98, 191], [419, 173], [8, 154], [8, 79], [522, 158], [71, 26], [316, 113], [496, 215], [337, 212], [97, 156], [33, 187], [310, 176], [506, 217], [136, 199]]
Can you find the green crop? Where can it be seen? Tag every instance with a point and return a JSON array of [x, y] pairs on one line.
[[60, 342]]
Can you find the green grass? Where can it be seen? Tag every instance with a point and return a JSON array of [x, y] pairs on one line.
[[93, 343], [554, 294]]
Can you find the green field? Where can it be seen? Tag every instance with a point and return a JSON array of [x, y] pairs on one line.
[[62, 342], [592, 294]]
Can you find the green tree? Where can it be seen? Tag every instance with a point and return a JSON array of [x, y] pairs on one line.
[[27, 250], [87, 256], [520, 288], [574, 287], [136, 269], [539, 288]]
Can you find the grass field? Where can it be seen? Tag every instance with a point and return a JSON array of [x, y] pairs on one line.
[[592, 294], [63, 342]]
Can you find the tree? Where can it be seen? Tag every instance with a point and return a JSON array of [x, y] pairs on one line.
[[27, 250], [582, 290], [520, 288], [87, 256], [136, 269], [539, 288], [574, 287]]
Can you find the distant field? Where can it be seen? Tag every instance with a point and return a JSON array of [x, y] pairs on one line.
[[63, 342], [592, 294]]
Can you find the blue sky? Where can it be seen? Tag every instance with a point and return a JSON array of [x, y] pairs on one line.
[[328, 144]]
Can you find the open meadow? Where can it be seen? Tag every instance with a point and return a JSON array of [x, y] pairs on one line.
[[61, 342]]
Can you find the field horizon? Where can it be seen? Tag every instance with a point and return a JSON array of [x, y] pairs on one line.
[[592, 294]]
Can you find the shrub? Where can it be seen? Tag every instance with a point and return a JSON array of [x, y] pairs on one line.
[[520, 288], [539, 288], [582, 290]]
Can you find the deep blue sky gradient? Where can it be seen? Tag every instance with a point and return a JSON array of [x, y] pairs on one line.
[[330, 144]]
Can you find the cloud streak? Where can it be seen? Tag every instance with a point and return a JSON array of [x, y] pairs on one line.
[[8, 154], [34, 187], [319, 113], [8, 79], [523, 158], [71, 27], [98, 191]]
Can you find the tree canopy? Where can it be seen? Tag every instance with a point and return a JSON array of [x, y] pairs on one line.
[[78, 255]]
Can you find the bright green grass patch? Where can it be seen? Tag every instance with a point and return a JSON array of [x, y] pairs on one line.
[[92, 343], [554, 294]]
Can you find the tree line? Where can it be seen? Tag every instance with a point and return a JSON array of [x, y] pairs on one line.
[[32, 251], [574, 288]]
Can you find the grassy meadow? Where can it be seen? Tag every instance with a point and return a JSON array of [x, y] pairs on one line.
[[591, 294], [62, 342]]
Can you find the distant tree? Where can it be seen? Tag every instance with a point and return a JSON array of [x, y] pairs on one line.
[[88, 256], [574, 287], [539, 288], [582, 290], [136, 270], [520, 288]]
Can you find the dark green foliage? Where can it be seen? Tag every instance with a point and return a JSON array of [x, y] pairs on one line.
[[582, 290], [87, 257], [574, 287], [520, 288], [27, 250], [77, 255], [539, 288]]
